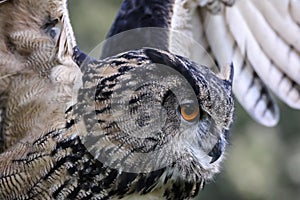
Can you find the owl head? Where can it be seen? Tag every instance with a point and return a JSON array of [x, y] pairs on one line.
[[36, 47], [35, 26], [146, 110]]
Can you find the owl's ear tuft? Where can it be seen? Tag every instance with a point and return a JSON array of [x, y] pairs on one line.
[[227, 73]]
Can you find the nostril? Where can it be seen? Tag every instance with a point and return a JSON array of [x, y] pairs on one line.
[[217, 151]]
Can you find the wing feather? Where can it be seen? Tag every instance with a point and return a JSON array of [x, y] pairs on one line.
[[284, 86], [284, 55], [280, 20], [248, 88], [295, 10], [187, 34]]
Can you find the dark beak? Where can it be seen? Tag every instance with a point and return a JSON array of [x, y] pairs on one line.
[[217, 151]]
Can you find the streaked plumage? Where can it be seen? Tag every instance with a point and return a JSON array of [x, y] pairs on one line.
[[145, 124], [93, 150], [36, 66], [261, 38], [106, 150]]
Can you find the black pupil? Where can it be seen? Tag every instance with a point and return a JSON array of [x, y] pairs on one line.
[[189, 109], [52, 33]]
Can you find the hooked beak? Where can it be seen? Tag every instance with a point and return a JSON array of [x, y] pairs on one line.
[[217, 151]]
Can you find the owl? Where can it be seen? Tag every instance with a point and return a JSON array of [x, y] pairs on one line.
[[142, 123], [145, 123]]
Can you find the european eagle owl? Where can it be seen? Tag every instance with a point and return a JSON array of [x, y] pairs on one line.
[[145, 123]]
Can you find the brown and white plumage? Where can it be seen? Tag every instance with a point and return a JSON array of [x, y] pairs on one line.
[[113, 144], [106, 145], [87, 153], [38, 80], [36, 66], [261, 39]]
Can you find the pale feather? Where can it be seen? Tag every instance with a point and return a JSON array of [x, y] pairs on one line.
[[187, 34], [283, 55], [248, 88], [277, 15], [295, 10], [275, 79]]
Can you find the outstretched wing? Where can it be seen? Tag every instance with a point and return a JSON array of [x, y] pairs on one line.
[[261, 39]]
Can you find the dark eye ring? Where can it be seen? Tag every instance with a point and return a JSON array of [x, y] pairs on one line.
[[51, 29], [189, 111], [51, 23]]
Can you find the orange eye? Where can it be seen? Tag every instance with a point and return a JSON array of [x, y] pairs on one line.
[[189, 112]]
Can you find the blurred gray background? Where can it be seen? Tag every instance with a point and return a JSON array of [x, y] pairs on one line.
[[262, 163]]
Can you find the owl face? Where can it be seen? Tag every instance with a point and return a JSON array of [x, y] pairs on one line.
[[36, 26], [35, 39], [148, 110]]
